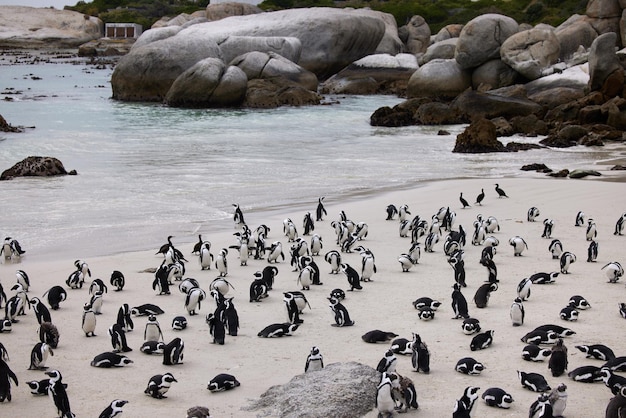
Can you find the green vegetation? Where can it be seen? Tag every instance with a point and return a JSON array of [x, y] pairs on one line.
[[438, 13]]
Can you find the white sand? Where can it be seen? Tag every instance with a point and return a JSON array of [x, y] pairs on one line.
[[383, 304]]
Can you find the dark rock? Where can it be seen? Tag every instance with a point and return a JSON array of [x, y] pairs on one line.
[[556, 96], [437, 113], [479, 137], [538, 167], [591, 140], [529, 125], [591, 114], [572, 133], [503, 127], [518, 146], [6, 127], [277, 91], [400, 115], [603, 64], [561, 173], [35, 167], [340, 390], [475, 104], [579, 174], [618, 167], [442, 132]]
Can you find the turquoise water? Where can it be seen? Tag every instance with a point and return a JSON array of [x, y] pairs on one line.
[[146, 171]]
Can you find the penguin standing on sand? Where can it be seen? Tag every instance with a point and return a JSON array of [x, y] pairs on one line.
[[558, 400], [548, 224], [23, 279], [41, 311], [89, 321], [613, 271], [216, 328], [591, 233], [159, 385], [541, 408], [118, 339], [117, 280], [384, 397], [556, 249], [114, 409], [517, 312], [592, 252], [221, 262], [238, 216], [124, 320], [152, 331], [56, 391], [532, 214], [481, 297], [6, 375], [173, 352], [463, 406], [320, 211], [352, 275], [293, 311], [580, 218], [523, 288], [342, 318], [307, 224], [314, 361], [558, 359], [387, 364], [567, 259], [619, 225], [459, 303], [38, 356], [518, 244]]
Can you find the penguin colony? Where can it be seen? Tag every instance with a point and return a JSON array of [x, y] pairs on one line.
[[336, 251]]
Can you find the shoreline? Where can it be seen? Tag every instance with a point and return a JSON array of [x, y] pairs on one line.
[[383, 304]]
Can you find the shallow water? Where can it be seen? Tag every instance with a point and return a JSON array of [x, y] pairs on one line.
[[146, 171]]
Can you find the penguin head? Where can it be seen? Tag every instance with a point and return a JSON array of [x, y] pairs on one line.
[[169, 377], [507, 398], [55, 375]]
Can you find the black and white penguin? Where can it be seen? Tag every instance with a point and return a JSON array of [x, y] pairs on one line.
[[118, 339], [544, 278], [617, 364], [39, 355], [338, 294], [89, 321], [392, 211], [152, 347], [173, 352], [117, 280], [275, 251], [622, 309], [159, 385], [305, 277], [385, 402], [368, 264], [223, 382], [420, 355], [108, 359], [558, 359], [497, 397], [480, 197], [482, 340], [333, 258], [314, 361], [152, 330], [470, 326], [97, 285], [179, 323], [523, 288], [519, 245], [114, 409], [316, 244], [193, 300], [569, 313], [469, 365], [403, 211], [39, 387], [23, 279], [559, 330], [426, 314], [268, 275], [491, 269], [532, 214], [229, 316], [517, 312], [221, 262], [558, 400], [55, 295], [567, 259], [556, 249], [586, 374], [591, 232], [278, 330], [613, 270], [611, 380], [540, 337], [533, 381], [580, 218], [378, 336], [146, 309], [124, 319], [579, 302], [307, 224], [532, 352], [426, 302], [96, 302], [541, 408], [75, 280], [597, 351], [161, 279], [616, 407], [56, 391], [41, 311], [216, 328], [320, 210], [352, 275], [548, 225], [458, 265], [238, 216], [5, 325], [6, 376], [388, 363], [342, 317], [463, 406], [406, 262], [459, 303], [401, 346], [592, 252], [481, 297]]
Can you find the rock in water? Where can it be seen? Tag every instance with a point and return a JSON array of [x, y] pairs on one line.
[[35, 167], [478, 137], [340, 390]]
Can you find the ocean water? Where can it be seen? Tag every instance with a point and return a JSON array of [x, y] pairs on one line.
[[146, 171]]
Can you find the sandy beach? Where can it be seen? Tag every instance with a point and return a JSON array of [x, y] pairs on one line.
[[385, 304]]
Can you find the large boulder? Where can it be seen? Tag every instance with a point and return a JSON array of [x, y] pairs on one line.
[[208, 83], [223, 10], [439, 78], [418, 38], [448, 32], [574, 33], [266, 93], [340, 390], [479, 137], [258, 64], [233, 46], [439, 50], [605, 71], [493, 74], [603, 9], [35, 167], [373, 74], [529, 52], [30, 27], [331, 38], [476, 104], [481, 38]]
